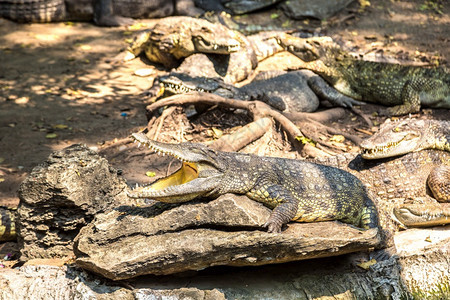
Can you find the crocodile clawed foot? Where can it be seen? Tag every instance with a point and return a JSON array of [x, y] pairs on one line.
[[403, 110], [273, 226]]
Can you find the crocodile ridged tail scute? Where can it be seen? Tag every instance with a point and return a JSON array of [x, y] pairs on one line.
[[37, 11], [7, 225]]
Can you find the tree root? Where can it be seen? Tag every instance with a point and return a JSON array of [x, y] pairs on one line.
[[257, 110], [243, 136]]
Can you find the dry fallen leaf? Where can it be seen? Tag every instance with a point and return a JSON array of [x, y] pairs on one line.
[[51, 135], [366, 265], [150, 174], [60, 126]]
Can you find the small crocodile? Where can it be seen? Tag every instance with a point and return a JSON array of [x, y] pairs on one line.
[[296, 190], [411, 135], [405, 88], [102, 12], [7, 224], [296, 91], [236, 66], [174, 38], [408, 135]]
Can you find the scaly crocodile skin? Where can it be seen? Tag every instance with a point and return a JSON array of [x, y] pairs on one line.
[[405, 88], [296, 190]]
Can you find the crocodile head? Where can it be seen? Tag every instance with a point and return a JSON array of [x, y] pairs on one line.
[[137, 46], [414, 215], [181, 83], [307, 49], [400, 137], [199, 175], [208, 41]]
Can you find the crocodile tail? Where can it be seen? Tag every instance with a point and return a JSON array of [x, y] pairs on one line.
[[7, 224], [37, 11]]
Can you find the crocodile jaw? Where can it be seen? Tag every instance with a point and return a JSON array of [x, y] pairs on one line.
[[393, 148], [197, 176], [176, 188], [224, 47], [410, 217]]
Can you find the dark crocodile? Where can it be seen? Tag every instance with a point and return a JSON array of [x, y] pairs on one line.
[[296, 190], [7, 224], [412, 135], [405, 88], [296, 91], [174, 38], [102, 12]]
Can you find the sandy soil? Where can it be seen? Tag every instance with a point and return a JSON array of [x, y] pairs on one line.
[[59, 85]]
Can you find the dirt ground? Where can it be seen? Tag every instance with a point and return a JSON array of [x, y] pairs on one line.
[[59, 85]]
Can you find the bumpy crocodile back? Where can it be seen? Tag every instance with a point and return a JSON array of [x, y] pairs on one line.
[[393, 181], [39, 11]]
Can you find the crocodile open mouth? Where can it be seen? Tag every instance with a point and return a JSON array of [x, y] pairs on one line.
[[197, 176], [185, 174], [380, 149]]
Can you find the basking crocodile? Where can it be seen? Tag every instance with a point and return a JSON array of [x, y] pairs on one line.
[[391, 181], [408, 135], [296, 91], [405, 88], [397, 181], [174, 38], [296, 190], [103, 12], [412, 135], [209, 49], [7, 224]]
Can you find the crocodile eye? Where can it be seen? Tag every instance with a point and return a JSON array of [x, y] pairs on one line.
[[206, 29]]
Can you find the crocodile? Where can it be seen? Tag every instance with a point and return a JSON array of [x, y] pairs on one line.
[[102, 12], [412, 135], [236, 66], [174, 38], [404, 136], [400, 180], [404, 88], [295, 91], [296, 190], [7, 224]]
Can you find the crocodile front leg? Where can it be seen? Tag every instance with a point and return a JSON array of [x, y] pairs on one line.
[[322, 89], [286, 205]]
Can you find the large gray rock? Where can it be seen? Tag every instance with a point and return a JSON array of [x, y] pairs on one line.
[[61, 196], [165, 239], [65, 282], [52, 282], [319, 9]]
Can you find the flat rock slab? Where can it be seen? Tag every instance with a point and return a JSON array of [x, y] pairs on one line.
[[165, 239]]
